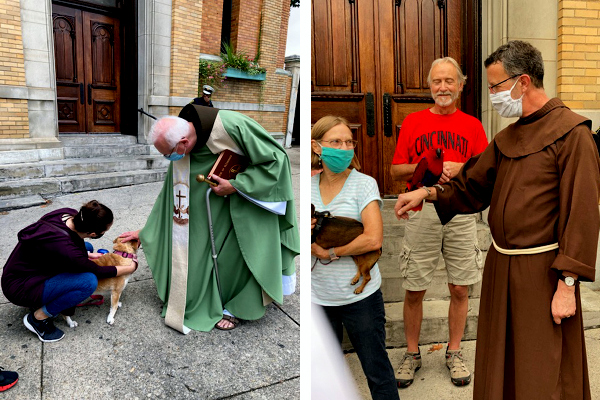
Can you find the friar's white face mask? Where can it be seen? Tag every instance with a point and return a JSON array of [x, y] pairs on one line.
[[506, 106]]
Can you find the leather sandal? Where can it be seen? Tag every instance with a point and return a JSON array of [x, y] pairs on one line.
[[228, 318]]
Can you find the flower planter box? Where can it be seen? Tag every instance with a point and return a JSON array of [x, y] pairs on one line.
[[236, 73]]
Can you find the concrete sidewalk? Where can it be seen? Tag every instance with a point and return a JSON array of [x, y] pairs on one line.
[[139, 357]]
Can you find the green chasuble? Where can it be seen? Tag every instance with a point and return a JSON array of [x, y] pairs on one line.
[[255, 247]]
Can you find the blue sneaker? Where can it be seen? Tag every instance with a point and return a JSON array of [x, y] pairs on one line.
[[45, 329]]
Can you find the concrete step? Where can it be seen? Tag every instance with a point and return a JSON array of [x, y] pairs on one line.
[[79, 166], [69, 140], [30, 155], [82, 183], [21, 202], [18, 193], [77, 163], [590, 305], [389, 262], [434, 328], [109, 150], [391, 287]]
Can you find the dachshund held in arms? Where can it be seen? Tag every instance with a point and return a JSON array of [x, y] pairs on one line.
[[123, 254], [333, 231]]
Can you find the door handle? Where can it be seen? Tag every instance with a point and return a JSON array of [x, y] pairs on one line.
[[370, 109], [387, 115], [81, 94], [89, 93]]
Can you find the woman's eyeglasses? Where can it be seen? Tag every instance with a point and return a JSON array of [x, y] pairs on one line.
[[337, 144]]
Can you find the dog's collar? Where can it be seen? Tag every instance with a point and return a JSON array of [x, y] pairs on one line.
[[127, 255], [319, 216], [123, 254]]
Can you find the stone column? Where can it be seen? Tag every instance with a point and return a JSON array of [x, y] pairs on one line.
[[292, 64], [154, 57]]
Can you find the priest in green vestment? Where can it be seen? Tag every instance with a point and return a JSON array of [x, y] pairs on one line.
[[254, 221]]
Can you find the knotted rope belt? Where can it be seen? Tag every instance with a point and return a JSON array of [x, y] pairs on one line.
[[531, 250]]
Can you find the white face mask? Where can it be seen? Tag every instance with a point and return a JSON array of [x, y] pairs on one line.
[[506, 106]]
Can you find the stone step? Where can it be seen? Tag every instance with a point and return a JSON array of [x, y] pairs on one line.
[[389, 262], [82, 183], [17, 194], [391, 287], [109, 150], [103, 139], [30, 155], [21, 202], [79, 166], [434, 328]]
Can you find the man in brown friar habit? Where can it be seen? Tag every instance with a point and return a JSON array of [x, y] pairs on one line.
[[255, 229], [540, 177]]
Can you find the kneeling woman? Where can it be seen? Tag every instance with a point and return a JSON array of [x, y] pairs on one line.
[[49, 270]]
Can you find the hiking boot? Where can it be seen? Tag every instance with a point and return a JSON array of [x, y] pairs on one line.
[[8, 379], [459, 374], [411, 362], [45, 329]]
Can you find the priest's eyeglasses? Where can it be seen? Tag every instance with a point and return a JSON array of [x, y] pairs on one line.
[[493, 87], [173, 150], [337, 143]]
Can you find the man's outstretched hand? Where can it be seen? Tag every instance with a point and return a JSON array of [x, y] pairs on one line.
[[408, 201]]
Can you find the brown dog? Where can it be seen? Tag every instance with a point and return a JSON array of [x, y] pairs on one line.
[[124, 254], [332, 231]]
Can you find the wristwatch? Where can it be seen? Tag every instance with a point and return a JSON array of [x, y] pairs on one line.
[[332, 255], [568, 280]]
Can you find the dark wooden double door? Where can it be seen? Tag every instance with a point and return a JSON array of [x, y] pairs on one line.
[[87, 52], [370, 61]]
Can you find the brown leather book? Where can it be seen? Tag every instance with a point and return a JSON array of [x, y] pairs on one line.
[[228, 165]]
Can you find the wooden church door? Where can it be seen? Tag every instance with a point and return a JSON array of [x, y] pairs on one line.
[[87, 53], [370, 61]]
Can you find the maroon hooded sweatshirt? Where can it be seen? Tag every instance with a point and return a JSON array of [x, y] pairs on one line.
[[46, 248]]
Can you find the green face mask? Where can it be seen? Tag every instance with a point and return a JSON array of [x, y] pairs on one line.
[[337, 160]]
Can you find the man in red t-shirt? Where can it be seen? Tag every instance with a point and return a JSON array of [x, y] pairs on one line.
[[461, 136]]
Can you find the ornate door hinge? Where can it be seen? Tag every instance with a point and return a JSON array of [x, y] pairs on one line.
[[370, 109], [387, 115]]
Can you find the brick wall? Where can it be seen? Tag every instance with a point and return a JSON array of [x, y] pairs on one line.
[[212, 21], [185, 47], [247, 24], [12, 70], [245, 33], [14, 123], [285, 17], [578, 80]]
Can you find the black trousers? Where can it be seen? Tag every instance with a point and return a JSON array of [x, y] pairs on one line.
[[365, 324]]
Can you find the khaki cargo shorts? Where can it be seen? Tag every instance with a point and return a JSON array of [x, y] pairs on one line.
[[426, 238]]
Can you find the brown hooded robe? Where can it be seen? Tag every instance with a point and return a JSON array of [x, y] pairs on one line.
[[541, 179]]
